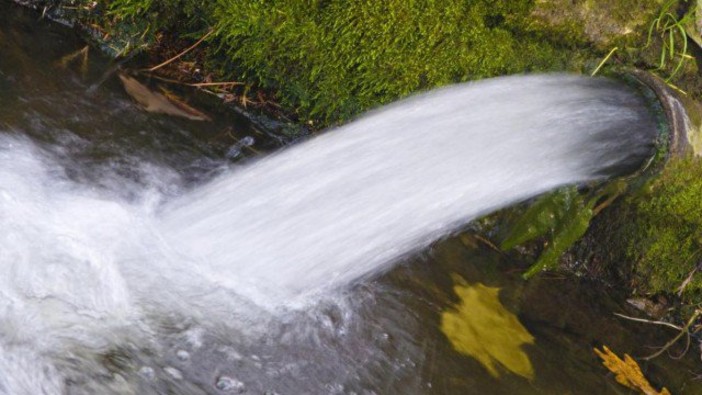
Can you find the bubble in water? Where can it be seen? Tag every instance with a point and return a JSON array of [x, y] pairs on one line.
[[173, 372], [183, 355], [194, 337], [230, 353], [147, 372], [233, 152], [247, 141], [225, 383]]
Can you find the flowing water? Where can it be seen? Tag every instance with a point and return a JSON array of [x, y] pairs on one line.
[[349, 203], [148, 255]]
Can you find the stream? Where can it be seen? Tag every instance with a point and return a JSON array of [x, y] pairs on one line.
[[83, 168]]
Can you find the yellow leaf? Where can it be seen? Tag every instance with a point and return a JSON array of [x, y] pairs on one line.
[[627, 372], [481, 327]]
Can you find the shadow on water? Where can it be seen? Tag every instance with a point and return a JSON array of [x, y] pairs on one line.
[[457, 318]]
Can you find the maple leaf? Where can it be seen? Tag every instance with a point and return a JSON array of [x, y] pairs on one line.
[[481, 327], [627, 372]]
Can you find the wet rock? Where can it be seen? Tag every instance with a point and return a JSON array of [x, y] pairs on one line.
[[601, 22], [653, 308]]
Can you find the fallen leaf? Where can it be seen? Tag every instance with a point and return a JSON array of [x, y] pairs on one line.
[[627, 372], [481, 327], [158, 103]]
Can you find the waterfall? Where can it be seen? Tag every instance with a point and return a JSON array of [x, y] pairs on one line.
[[347, 204]]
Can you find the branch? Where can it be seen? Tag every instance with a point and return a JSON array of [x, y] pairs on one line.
[[663, 323], [684, 331], [190, 48]]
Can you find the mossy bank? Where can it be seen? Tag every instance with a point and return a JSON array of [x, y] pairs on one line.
[[327, 61]]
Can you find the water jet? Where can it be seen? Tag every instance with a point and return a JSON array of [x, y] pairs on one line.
[[344, 205]]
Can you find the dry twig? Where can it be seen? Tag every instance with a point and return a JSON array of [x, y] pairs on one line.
[[663, 323], [684, 331], [190, 48]]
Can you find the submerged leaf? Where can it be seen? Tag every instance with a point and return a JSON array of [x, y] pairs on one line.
[[81, 54], [158, 103], [570, 230], [481, 327], [541, 217], [627, 372]]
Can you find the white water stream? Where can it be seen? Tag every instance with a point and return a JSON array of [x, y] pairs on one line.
[[350, 202]]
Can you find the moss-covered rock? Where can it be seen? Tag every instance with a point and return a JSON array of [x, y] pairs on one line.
[[332, 60], [666, 239], [602, 23]]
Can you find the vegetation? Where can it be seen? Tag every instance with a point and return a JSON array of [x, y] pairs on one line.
[[666, 241], [673, 37], [627, 372], [330, 60], [334, 59], [480, 326], [559, 220], [325, 61]]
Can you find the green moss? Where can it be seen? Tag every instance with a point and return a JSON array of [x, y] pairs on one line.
[[334, 59], [667, 240], [330, 60]]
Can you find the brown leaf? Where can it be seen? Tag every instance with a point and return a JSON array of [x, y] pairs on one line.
[[158, 103]]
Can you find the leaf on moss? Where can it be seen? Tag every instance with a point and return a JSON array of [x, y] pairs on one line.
[[481, 327], [627, 372]]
